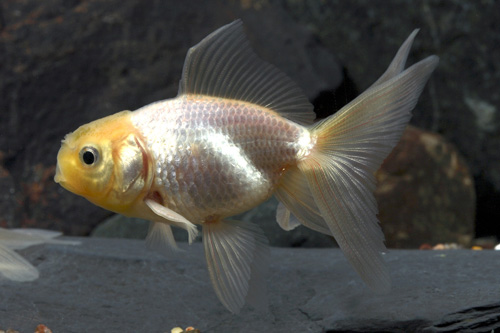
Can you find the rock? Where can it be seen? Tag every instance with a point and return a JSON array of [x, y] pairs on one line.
[[66, 63], [477, 319], [425, 193], [461, 100], [116, 285]]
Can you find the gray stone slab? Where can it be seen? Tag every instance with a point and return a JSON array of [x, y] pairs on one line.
[[117, 285]]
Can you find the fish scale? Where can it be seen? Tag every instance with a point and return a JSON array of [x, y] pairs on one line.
[[230, 155]]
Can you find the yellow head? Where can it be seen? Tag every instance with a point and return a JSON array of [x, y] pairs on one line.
[[106, 162]]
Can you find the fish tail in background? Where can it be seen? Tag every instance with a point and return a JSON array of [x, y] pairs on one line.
[[331, 190], [14, 267], [236, 254]]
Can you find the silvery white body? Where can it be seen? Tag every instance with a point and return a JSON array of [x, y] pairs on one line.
[[215, 158]]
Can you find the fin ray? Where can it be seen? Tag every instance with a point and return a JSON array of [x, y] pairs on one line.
[[398, 63], [224, 65], [161, 239], [351, 146], [285, 219], [236, 254], [296, 196]]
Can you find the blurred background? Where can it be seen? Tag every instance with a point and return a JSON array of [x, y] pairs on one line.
[[64, 63]]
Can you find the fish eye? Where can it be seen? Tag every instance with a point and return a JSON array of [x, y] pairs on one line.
[[89, 155]]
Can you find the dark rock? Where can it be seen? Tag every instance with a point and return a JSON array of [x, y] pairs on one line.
[[485, 318], [462, 99], [425, 193], [66, 63], [116, 285]]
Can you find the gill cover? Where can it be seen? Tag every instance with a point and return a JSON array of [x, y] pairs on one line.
[[131, 167]]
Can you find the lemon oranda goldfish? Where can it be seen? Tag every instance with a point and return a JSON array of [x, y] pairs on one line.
[[238, 132]]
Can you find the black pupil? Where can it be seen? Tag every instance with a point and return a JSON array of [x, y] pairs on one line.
[[88, 157]]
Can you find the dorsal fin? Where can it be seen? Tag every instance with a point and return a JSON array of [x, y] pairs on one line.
[[224, 65]]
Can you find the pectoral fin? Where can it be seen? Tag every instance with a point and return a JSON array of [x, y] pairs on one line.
[[236, 254], [173, 218]]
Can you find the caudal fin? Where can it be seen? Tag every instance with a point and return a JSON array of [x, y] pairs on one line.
[[331, 190]]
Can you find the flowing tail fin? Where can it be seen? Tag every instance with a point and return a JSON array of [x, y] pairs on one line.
[[331, 190]]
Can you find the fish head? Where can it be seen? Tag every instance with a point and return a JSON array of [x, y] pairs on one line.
[[106, 162]]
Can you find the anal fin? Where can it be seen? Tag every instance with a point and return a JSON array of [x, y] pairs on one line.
[[161, 239], [236, 254], [286, 220]]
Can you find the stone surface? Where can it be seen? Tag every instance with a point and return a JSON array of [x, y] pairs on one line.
[[116, 285], [66, 63], [425, 193]]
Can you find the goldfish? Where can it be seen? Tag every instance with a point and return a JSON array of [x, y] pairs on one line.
[[238, 132]]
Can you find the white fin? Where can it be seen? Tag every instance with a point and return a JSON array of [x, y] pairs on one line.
[[18, 239], [224, 65], [174, 218], [398, 63], [161, 239], [296, 196], [236, 254], [285, 220], [351, 146], [14, 267]]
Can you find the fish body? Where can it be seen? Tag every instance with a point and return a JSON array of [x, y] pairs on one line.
[[238, 132], [214, 158]]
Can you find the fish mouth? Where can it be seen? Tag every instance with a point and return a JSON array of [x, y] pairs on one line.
[[61, 180], [58, 178]]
